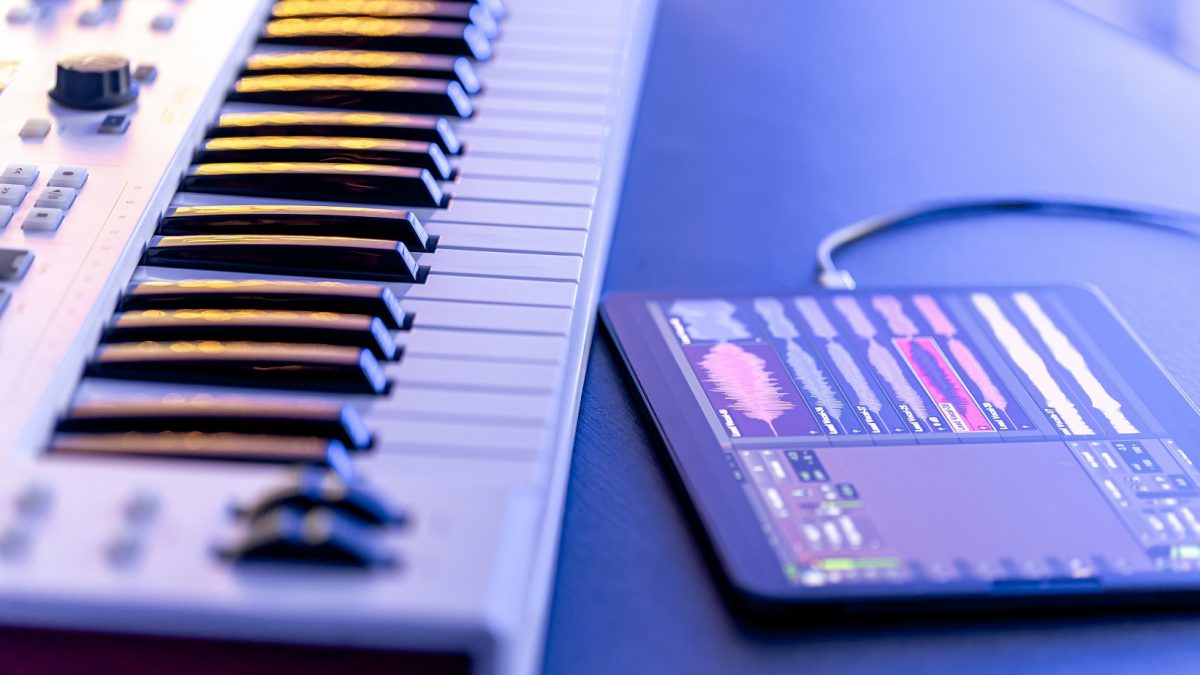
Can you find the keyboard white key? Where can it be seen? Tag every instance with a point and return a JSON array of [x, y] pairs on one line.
[[474, 375], [485, 346], [490, 317], [503, 264], [530, 169], [501, 238]]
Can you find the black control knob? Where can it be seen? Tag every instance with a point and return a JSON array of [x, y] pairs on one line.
[[94, 82]]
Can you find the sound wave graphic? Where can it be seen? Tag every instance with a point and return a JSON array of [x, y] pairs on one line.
[[889, 368], [943, 384], [805, 367], [880, 357], [1065, 353], [858, 382], [771, 310], [892, 310], [978, 374], [942, 325], [1034, 367], [710, 320], [822, 327], [854, 314], [815, 317], [743, 379], [813, 379], [932, 311]]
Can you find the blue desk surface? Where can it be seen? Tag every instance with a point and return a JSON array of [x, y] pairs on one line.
[[767, 123]]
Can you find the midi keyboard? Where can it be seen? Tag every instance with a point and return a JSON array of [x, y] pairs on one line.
[[295, 299]]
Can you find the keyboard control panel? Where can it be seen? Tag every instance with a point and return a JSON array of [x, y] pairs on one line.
[[295, 300]]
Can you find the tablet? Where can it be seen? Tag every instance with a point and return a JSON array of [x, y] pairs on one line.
[[938, 447]]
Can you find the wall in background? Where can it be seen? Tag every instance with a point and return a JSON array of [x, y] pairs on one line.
[[1172, 25]]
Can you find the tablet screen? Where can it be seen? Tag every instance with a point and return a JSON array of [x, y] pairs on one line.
[[952, 438]]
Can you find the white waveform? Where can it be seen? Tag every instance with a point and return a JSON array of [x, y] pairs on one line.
[[893, 312], [885, 363], [855, 316], [771, 310], [813, 379], [710, 320], [815, 317], [858, 382], [1028, 361], [1065, 353]]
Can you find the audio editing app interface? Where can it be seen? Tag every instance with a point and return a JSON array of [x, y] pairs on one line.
[[935, 436]]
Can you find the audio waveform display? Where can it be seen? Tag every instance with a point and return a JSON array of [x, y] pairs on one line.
[[882, 359], [892, 310], [744, 385], [710, 320], [847, 418], [811, 376], [990, 394], [943, 385], [942, 325], [854, 377], [1060, 406], [896, 367], [1066, 354], [778, 324]]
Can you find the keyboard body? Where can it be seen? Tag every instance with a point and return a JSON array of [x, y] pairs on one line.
[[474, 437]]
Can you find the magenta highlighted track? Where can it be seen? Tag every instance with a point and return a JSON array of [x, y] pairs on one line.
[[942, 383]]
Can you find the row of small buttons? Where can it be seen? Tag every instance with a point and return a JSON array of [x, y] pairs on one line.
[[22, 14], [37, 128], [51, 205]]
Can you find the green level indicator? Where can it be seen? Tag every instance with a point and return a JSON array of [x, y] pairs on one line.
[[846, 564]]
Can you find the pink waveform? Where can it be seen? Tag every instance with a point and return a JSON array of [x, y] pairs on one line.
[[975, 370], [933, 313], [958, 398], [742, 377], [893, 312], [942, 325]]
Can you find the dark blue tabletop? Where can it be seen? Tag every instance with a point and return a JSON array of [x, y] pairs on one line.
[[767, 123]]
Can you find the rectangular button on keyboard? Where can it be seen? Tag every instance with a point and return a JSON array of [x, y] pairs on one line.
[[14, 263], [11, 194], [69, 177], [56, 198], [20, 174], [43, 220]]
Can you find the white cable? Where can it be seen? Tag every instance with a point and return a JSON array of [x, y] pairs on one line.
[[829, 275]]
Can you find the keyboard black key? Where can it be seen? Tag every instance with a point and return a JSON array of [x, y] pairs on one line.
[[324, 149], [362, 92], [213, 414], [314, 296], [318, 536], [360, 62], [333, 257], [198, 445], [457, 12], [358, 124], [243, 364], [322, 488], [340, 221], [494, 7], [318, 181], [254, 325], [405, 35]]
